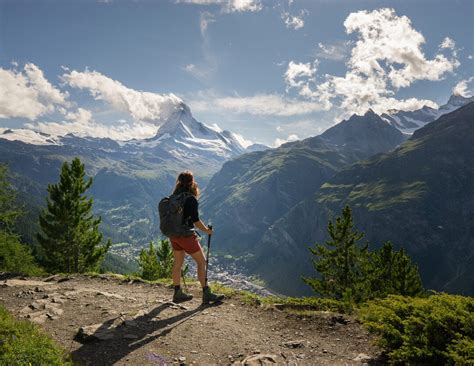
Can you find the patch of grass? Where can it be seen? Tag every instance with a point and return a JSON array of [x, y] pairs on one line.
[[314, 303], [22, 343]]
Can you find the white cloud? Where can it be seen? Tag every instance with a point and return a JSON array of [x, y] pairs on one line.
[[290, 138], [228, 6], [386, 37], [81, 123], [27, 94], [142, 106], [298, 74], [448, 43], [200, 73], [279, 129], [336, 51], [462, 89], [260, 104], [293, 21], [386, 57]]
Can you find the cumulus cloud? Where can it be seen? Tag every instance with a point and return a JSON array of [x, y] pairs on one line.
[[290, 138], [260, 104], [27, 94], [337, 51], [386, 57], [448, 43], [229, 6], [462, 88], [293, 21], [141, 106], [298, 75]]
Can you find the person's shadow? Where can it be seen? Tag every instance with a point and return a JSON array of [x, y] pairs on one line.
[[125, 339]]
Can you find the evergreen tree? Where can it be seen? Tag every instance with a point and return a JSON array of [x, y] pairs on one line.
[[340, 262], [391, 272], [406, 278], [14, 256], [165, 258], [148, 262], [9, 212], [156, 262], [70, 232]]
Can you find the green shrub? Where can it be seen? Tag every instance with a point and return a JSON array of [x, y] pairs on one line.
[[436, 330], [16, 257], [22, 343]]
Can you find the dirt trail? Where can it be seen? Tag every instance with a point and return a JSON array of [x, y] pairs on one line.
[[106, 320]]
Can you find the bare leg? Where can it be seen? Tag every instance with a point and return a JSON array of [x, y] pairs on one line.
[[177, 264], [201, 266]]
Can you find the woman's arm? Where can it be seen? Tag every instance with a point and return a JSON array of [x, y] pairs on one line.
[[200, 225]]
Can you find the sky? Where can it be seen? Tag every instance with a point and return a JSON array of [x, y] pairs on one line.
[[270, 71]]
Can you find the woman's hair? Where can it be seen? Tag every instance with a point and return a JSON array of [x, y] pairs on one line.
[[186, 183]]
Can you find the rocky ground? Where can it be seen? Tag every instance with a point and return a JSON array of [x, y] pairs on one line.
[[108, 320]]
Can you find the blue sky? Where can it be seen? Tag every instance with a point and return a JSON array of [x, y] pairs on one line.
[[268, 70]]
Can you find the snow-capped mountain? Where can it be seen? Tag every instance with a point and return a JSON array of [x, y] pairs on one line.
[[181, 135], [409, 122]]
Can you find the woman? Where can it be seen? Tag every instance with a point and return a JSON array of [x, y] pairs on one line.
[[189, 244]]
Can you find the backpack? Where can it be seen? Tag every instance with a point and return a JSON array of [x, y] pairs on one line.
[[171, 211]]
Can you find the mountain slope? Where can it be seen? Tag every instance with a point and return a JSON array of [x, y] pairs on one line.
[[250, 192], [420, 196]]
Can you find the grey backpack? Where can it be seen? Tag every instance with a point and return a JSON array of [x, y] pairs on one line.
[[171, 215]]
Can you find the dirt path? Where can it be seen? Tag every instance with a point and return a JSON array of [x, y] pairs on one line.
[[109, 321]]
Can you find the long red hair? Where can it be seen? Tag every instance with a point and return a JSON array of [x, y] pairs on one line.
[[185, 183]]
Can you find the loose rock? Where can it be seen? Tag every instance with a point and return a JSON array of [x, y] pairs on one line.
[[257, 360], [294, 344]]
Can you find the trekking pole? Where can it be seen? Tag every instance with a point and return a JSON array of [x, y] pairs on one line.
[[208, 251], [184, 281]]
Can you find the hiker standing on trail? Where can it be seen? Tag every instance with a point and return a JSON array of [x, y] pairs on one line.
[[183, 236]]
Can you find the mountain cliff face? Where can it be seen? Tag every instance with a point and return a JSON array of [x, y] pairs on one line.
[[252, 191], [419, 196], [130, 177]]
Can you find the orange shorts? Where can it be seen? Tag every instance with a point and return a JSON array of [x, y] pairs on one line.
[[189, 244]]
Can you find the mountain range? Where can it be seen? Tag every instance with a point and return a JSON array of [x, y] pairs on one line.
[[410, 121], [269, 207], [130, 177], [419, 196]]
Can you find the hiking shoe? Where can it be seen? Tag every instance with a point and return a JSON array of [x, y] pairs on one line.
[[208, 296], [181, 296]]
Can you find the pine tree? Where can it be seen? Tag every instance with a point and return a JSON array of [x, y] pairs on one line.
[[391, 272], [165, 258], [8, 210], [340, 262], [14, 256], [70, 236], [156, 262], [406, 278], [148, 262]]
